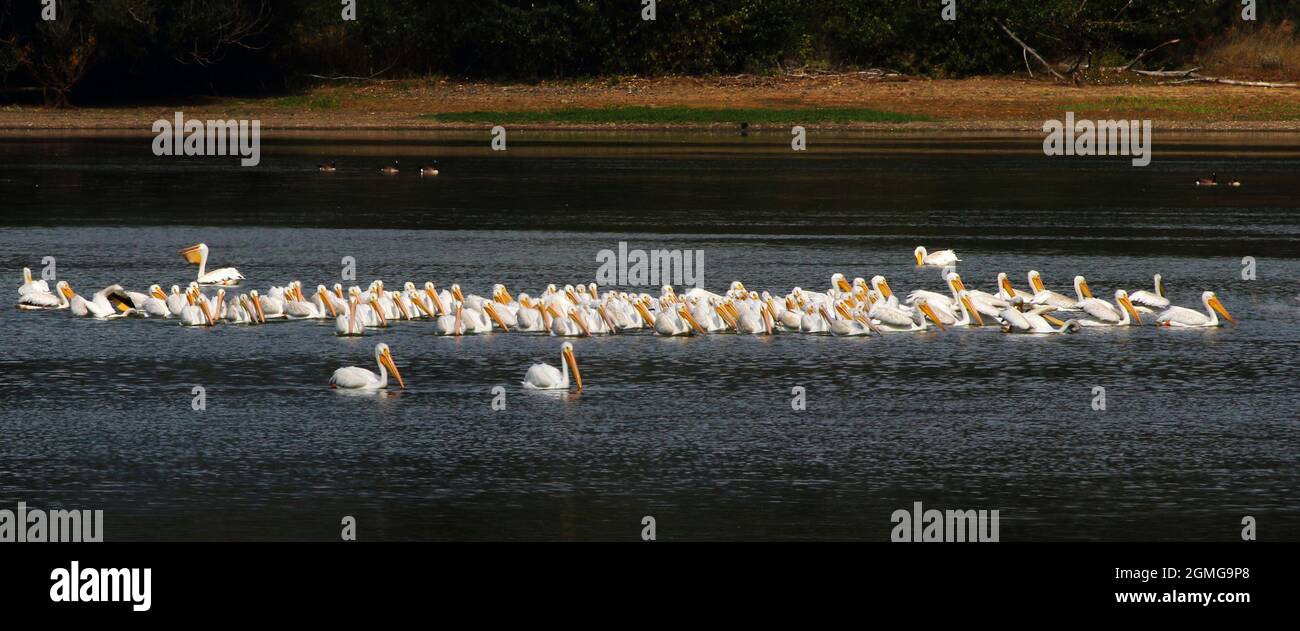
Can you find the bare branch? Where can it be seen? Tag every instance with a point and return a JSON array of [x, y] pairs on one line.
[[1030, 50]]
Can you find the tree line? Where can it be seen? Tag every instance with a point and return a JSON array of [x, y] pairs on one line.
[[99, 51]]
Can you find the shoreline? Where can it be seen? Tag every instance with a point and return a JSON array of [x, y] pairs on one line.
[[851, 102]]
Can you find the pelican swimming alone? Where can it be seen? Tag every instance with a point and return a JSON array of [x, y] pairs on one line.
[[1186, 318], [548, 377], [198, 255], [357, 378], [939, 258]]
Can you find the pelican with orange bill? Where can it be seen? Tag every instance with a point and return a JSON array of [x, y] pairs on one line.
[[198, 255], [357, 378], [548, 377]]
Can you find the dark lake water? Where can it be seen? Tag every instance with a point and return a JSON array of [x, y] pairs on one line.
[[1201, 426]]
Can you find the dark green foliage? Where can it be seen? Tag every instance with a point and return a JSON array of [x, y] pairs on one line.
[[144, 48]]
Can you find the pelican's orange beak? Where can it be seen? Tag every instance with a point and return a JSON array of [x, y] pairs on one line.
[[979, 320], [690, 319], [387, 358], [1037, 282], [437, 302], [645, 314], [1128, 306], [1006, 286], [325, 300], [929, 313], [1218, 306], [845, 286], [1083, 287], [885, 291], [492, 313], [192, 255], [573, 315], [456, 293], [573, 367], [159, 293]]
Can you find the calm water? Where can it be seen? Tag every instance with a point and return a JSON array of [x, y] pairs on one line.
[[1201, 427]]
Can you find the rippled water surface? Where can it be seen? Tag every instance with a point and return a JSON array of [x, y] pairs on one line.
[[1200, 428]]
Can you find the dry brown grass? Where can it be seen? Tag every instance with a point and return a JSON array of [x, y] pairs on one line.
[[1266, 53]]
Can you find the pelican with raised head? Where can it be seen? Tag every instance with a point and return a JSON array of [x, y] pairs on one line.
[[1150, 300], [31, 286], [198, 255]]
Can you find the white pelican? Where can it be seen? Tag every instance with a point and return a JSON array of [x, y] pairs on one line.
[[155, 305], [755, 320], [267, 306], [198, 255], [240, 311], [58, 299], [347, 324], [1044, 296], [1035, 320], [451, 323], [845, 326], [548, 377], [109, 302], [572, 326], [176, 301], [1184, 317], [30, 286], [937, 300], [1102, 313], [893, 319], [969, 315], [676, 321], [1151, 300], [940, 258], [298, 307], [356, 378], [199, 312], [531, 317]]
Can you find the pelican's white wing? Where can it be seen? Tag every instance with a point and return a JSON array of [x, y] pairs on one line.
[[1054, 299], [891, 316], [543, 377], [1100, 310], [942, 257], [935, 299], [1144, 297], [39, 300], [223, 276], [353, 377], [1183, 316]]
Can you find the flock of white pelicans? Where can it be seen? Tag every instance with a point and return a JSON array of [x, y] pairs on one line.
[[847, 308]]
